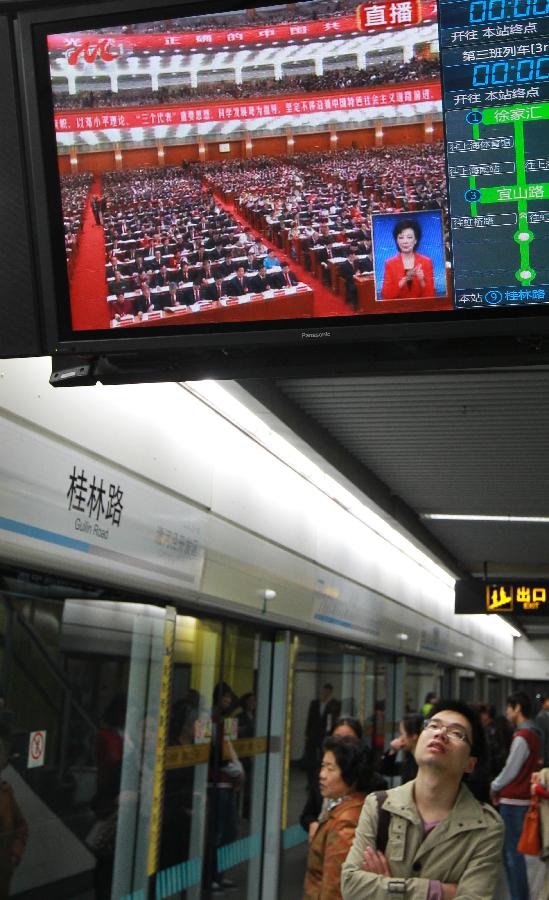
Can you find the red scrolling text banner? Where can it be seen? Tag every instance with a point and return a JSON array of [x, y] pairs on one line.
[[240, 110], [369, 17]]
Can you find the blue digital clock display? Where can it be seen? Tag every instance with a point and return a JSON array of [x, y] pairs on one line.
[[502, 72], [491, 13], [483, 12], [526, 72]]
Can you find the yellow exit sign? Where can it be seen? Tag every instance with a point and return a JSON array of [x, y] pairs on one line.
[[515, 598]]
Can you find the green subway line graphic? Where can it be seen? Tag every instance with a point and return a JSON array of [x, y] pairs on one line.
[[521, 193], [522, 235], [515, 193], [473, 178], [501, 115]]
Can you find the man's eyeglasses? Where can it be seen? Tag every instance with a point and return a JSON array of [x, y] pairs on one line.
[[454, 732]]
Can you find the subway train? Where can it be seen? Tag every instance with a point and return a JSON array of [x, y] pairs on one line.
[[183, 589]]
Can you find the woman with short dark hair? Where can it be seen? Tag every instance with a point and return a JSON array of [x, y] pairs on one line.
[[345, 726], [345, 779]]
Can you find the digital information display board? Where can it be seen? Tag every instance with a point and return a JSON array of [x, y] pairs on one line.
[[495, 71]]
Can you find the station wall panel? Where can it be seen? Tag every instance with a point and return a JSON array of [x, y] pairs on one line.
[[258, 523]]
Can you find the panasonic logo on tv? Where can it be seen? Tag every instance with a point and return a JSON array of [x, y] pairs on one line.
[[315, 334]]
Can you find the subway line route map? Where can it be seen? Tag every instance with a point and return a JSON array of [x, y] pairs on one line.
[[495, 64]]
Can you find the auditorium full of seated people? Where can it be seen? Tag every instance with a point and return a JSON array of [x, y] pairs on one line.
[[177, 240], [199, 234]]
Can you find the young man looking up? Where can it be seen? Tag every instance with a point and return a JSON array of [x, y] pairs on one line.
[[511, 789], [442, 843]]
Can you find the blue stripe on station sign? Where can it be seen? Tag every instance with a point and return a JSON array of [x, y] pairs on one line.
[[232, 854], [42, 534], [332, 620], [177, 878], [293, 836]]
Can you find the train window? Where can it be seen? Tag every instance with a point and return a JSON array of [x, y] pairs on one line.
[[150, 730], [215, 780], [80, 691], [422, 678], [329, 680]]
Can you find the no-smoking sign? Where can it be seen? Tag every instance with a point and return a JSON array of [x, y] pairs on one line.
[[37, 749]]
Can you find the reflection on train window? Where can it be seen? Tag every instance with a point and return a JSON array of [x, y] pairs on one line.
[[139, 745], [330, 680], [156, 738]]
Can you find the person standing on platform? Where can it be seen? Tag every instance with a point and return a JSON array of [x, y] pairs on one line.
[[499, 734], [430, 700], [510, 790], [225, 779], [409, 731], [109, 751], [542, 724], [345, 779], [246, 729], [346, 726], [320, 719], [540, 789], [14, 830], [430, 838]]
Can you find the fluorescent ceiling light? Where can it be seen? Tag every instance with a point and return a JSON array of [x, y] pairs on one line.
[[455, 517], [236, 412]]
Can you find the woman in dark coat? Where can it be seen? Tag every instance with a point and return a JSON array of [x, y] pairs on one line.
[[409, 730]]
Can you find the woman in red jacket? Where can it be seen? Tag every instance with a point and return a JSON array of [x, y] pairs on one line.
[[540, 783], [408, 275], [345, 779]]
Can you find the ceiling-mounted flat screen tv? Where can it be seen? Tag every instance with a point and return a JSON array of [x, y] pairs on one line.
[[291, 172]]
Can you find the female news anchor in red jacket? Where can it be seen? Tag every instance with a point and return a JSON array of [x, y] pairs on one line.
[[408, 275]]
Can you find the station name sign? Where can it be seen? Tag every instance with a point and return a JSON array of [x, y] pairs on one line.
[[474, 596]]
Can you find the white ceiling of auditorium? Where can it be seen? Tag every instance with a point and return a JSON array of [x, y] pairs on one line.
[[249, 63]]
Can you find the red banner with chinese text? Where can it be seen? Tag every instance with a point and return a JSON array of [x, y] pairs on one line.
[[242, 110], [106, 47]]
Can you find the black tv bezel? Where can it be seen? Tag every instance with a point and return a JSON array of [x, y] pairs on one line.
[[30, 30]]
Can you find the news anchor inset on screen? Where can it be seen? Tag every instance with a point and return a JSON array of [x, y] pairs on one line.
[[409, 274]]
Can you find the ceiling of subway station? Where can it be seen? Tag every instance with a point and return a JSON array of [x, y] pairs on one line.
[[469, 443]]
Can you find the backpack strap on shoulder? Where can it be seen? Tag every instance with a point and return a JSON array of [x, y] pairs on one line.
[[383, 819]]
